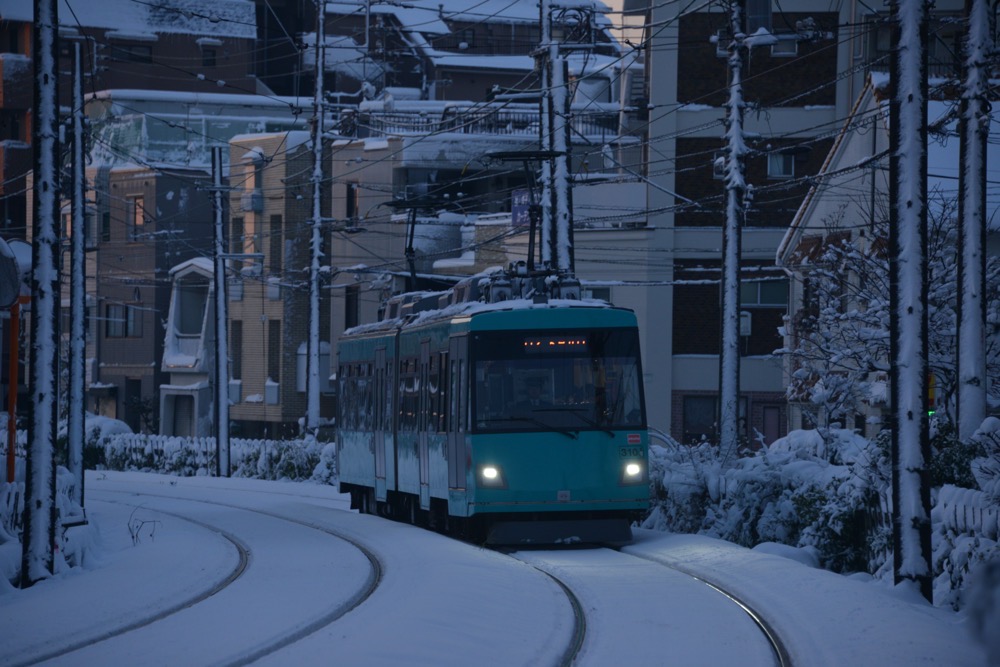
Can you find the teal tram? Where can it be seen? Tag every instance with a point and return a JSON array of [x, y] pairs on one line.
[[520, 421]]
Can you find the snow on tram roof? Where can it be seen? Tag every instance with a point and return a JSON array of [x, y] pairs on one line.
[[470, 308]]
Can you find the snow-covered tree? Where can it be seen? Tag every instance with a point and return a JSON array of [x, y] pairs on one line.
[[841, 334]]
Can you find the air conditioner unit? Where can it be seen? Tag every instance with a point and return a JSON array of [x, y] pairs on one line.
[[252, 201]]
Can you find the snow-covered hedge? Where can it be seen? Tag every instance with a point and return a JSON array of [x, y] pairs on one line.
[[830, 491], [304, 459]]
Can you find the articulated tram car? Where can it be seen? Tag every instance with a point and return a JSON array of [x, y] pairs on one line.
[[509, 423]]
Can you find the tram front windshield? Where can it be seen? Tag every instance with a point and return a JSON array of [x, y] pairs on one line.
[[570, 380]]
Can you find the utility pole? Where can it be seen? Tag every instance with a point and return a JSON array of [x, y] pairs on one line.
[[222, 465], [545, 61], [911, 451], [732, 230], [577, 26], [40, 511], [316, 242], [974, 129], [78, 295]]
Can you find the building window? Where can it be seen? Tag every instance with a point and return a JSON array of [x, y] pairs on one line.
[[785, 47], [699, 418], [106, 226], [352, 310], [208, 57], [236, 232], [351, 202], [780, 165], [758, 15], [601, 293], [722, 40], [132, 53], [764, 293], [277, 245], [121, 321], [236, 349], [236, 236], [135, 217], [274, 350]]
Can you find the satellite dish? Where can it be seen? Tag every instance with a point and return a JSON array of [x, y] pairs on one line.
[[10, 276]]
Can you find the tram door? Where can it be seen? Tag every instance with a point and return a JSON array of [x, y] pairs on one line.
[[457, 402], [381, 410], [423, 425]]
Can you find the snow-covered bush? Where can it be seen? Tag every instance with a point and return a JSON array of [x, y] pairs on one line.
[[325, 471], [825, 489]]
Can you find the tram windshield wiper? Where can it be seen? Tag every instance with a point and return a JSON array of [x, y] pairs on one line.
[[543, 425], [578, 412]]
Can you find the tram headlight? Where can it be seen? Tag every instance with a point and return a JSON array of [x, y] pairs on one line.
[[491, 476], [633, 472]]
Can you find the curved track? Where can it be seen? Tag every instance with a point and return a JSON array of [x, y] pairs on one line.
[[258, 562], [604, 583], [243, 560], [780, 652]]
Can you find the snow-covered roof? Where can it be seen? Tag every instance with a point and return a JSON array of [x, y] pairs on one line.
[[193, 98], [942, 158], [428, 16], [229, 18], [172, 129], [201, 264]]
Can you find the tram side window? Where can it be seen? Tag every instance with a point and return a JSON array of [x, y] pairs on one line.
[[409, 397], [432, 395], [347, 394], [453, 409], [342, 395], [364, 392], [443, 393], [387, 399]]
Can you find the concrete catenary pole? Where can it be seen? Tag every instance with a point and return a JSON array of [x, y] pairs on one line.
[[40, 512], [908, 287], [732, 230]]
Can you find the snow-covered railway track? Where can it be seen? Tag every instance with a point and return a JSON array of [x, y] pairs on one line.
[[628, 601], [780, 652], [212, 588], [322, 607]]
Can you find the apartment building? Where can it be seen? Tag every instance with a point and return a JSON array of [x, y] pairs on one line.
[[174, 45], [800, 86], [270, 217]]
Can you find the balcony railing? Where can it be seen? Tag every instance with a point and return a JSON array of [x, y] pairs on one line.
[[495, 120]]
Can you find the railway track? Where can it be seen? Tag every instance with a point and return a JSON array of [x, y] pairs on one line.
[[576, 570], [243, 556], [782, 658], [245, 562]]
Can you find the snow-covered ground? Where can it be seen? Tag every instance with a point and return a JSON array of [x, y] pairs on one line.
[[297, 595]]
